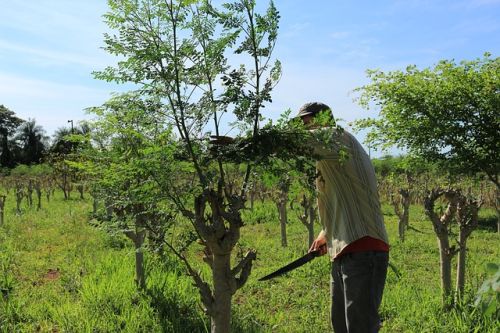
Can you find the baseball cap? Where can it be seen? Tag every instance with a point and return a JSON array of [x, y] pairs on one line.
[[312, 109]]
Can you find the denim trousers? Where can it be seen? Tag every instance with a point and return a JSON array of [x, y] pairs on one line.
[[357, 285]]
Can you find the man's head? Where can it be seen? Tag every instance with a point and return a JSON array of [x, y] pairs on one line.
[[309, 111]]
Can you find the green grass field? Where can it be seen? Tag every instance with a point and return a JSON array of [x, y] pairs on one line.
[[59, 273]]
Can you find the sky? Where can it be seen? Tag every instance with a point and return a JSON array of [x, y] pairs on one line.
[[49, 48]]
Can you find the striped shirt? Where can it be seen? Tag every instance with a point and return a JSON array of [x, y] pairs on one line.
[[348, 201]]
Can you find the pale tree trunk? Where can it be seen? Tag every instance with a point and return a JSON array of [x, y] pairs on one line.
[[80, 189], [109, 209], [219, 232], [403, 216], [441, 228], [223, 292], [19, 197], [462, 251], [48, 191], [138, 237], [95, 204], [30, 193], [140, 276], [69, 189], [64, 187], [467, 218], [38, 190], [310, 226], [308, 216], [253, 192], [281, 204], [2, 208], [445, 256], [497, 208], [283, 220]]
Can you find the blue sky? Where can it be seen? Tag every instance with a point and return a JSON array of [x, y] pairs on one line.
[[48, 49]]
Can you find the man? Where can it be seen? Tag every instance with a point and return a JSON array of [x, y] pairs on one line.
[[353, 229]]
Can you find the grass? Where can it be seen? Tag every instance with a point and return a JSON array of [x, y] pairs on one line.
[[58, 273]]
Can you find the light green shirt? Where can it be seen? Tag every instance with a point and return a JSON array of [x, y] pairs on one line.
[[348, 200]]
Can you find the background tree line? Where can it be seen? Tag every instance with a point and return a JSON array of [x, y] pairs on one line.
[[26, 142]]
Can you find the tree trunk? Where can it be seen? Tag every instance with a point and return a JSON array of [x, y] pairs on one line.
[[445, 265], [140, 276], [253, 192], [403, 216], [496, 204], [497, 208], [467, 218], [310, 225], [138, 238], [2, 208], [47, 194], [109, 210], [64, 188], [308, 216], [19, 198], [223, 291], [284, 186], [461, 264], [80, 189], [69, 189], [94, 206], [30, 193], [38, 190], [283, 220], [441, 228]]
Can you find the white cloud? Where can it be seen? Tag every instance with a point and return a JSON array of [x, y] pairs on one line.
[[51, 103], [56, 18], [301, 84], [51, 57]]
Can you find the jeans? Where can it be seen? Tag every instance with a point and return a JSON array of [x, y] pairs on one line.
[[357, 284]]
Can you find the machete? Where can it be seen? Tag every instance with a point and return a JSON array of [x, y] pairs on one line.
[[294, 264]]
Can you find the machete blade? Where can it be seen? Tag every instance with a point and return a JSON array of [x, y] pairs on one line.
[[293, 265]]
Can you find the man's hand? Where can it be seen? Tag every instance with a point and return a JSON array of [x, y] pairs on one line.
[[319, 244]]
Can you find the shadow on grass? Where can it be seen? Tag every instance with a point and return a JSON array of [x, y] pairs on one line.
[[176, 316], [488, 223]]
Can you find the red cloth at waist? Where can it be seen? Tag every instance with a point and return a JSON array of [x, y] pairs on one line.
[[364, 244]]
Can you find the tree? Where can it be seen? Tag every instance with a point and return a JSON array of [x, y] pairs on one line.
[[67, 144], [61, 143], [8, 124], [134, 171], [33, 142], [447, 114], [175, 52]]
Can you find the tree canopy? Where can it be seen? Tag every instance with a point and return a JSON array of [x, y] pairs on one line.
[[446, 114]]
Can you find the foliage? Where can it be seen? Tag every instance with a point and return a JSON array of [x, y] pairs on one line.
[[488, 296], [447, 114], [175, 52], [134, 173], [8, 123], [34, 142]]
